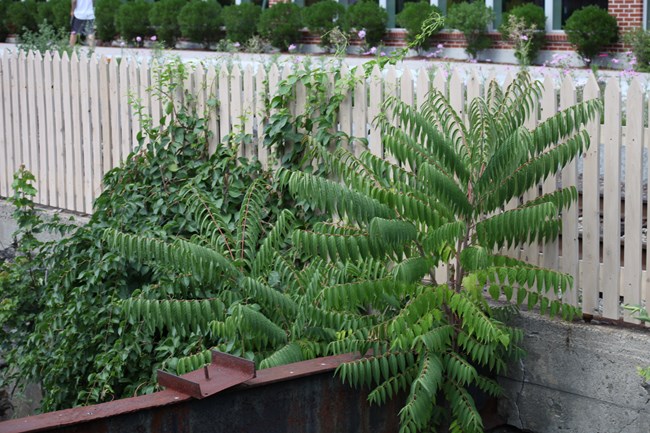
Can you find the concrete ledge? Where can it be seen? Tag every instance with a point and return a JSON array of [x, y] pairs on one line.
[[579, 378]]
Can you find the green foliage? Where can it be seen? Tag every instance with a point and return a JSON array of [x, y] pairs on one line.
[[47, 38], [21, 17], [412, 18], [105, 17], [590, 29], [436, 341], [4, 31], [369, 16], [241, 21], [641, 314], [80, 345], [524, 26], [322, 17], [56, 13], [163, 16], [132, 19], [281, 24], [200, 21], [472, 19], [639, 40]]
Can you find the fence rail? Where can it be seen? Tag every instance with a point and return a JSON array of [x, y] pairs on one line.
[[69, 121]]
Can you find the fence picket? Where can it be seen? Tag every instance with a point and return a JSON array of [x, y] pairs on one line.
[[59, 137], [114, 96], [360, 121], [42, 137], [14, 156], [612, 201], [261, 116], [224, 103], [66, 144], [5, 127], [85, 118], [570, 243], [550, 250], [32, 113], [345, 109], [236, 112], [125, 111], [248, 109], [374, 106], [74, 145], [633, 200], [95, 144], [135, 96]]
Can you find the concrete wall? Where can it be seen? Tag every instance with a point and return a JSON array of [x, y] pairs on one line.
[[578, 378]]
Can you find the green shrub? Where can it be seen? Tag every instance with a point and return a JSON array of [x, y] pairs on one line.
[[163, 16], [369, 16], [4, 4], [639, 40], [413, 16], [105, 15], [132, 19], [472, 19], [47, 38], [21, 17], [200, 21], [56, 13], [281, 24], [321, 17], [241, 21], [590, 29], [524, 26]]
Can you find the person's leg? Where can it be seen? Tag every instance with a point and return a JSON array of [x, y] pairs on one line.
[[91, 40], [73, 39], [74, 31]]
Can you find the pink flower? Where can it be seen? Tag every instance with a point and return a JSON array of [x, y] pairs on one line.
[[292, 47], [523, 37], [603, 55], [362, 34], [440, 46], [373, 50], [138, 39], [614, 61], [154, 38], [236, 45], [382, 54]]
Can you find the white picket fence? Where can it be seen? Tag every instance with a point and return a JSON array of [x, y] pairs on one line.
[[69, 121]]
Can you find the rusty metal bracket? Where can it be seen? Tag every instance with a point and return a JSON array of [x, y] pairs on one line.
[[225, 371]]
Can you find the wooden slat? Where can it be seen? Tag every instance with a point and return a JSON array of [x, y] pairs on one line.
[[66, 144], [551, 249], [75, 144], [248, 109], [13, 151], [224, 103], [42, 138], [391, 90], [95, 145], [570, 241], [345, 109], [135, 97], [261, 116], [612, 201], [59, 136], [456, 93], [212, 87], [236, 109], [274, 83], [5, 125], [114, 97], [360, 121], [422, 87], [126, 116], [86, 134], [34, 122], [156, 103], [22, 152], [633, 199], [591, 210], [374, 107]]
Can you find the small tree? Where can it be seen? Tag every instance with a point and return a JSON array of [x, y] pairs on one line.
[[281, 24], [590, 29], [21, 17], [200, 21], [56, 13], [163, 16], [321, 17], [369, 16], [412, 18], [430, 339], [132, 19], [105, 17], [523, 26], [241, 21], [639, 39], [472, 19]]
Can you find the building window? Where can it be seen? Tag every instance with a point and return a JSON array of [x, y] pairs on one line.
[[562, 9]]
